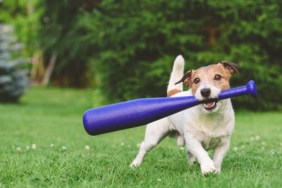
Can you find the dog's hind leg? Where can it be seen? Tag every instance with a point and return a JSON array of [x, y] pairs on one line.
[[191, 158], [155, 132]]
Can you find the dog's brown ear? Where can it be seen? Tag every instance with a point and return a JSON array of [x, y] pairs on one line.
[[231, 67], [186, 78]]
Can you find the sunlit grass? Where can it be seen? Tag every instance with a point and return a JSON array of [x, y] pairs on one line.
[[43, 144]]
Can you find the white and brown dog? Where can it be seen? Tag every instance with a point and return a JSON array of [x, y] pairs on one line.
[[203, 127]]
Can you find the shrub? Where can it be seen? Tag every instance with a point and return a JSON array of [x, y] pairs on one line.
[[134, 44], [13, 78]]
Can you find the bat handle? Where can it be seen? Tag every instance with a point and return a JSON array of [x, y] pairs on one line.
[[250, 88]]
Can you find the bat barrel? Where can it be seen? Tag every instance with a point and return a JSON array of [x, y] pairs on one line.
[[133, 113]]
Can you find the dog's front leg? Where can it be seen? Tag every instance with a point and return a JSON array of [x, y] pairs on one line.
[[195, 147], [155, 132], [220, 152]]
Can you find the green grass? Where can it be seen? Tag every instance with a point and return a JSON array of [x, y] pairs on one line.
[[43, 144]]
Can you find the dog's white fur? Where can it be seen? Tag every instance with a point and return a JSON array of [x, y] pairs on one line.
[[198, 128]]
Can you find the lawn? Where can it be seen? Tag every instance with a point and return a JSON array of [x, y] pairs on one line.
[[43, 144]]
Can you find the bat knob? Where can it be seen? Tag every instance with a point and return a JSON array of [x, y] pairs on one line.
[[252, 88]]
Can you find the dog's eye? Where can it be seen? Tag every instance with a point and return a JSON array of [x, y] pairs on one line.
[[217, 77], [196, 80]]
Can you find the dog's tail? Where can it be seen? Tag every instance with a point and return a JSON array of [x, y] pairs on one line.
[[176, 75]]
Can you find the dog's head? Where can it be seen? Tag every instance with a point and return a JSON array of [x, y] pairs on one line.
[[207, 82]]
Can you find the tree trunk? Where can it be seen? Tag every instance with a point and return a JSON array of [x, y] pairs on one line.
[[49, 70]]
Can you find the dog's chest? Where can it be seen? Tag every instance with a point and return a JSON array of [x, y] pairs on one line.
[[210, 130], [210, 126], [211, 143]]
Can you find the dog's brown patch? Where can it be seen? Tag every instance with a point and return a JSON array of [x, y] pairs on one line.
[[217, 74], [173, 92]]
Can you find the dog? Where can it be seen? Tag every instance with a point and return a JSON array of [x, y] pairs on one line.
[[204, 127]]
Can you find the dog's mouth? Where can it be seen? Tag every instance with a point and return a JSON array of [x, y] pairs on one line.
[[210, 105]]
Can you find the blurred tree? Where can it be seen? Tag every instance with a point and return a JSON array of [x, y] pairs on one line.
[[60, 41], [13, 77], [24, 15]]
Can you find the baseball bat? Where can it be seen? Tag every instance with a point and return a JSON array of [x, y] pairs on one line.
[[139, 112]]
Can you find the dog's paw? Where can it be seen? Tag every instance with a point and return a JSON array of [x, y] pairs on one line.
[[134, 164], [208, 168], [218, 170], [218, 167]]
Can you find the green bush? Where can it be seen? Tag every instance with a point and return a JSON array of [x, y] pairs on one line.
[[135, 44]]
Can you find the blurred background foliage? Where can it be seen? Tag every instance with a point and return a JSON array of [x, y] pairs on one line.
[[126, 48]]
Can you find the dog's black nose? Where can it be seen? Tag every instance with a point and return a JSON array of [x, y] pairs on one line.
[[206, 92]]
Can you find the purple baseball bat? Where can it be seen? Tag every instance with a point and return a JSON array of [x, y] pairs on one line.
[[139, 112]]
